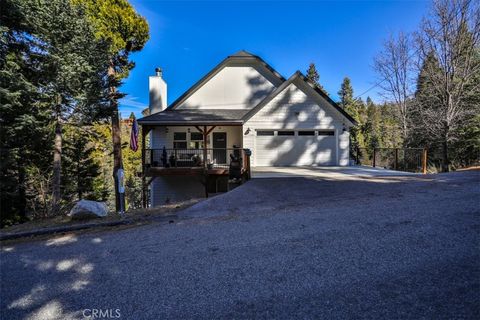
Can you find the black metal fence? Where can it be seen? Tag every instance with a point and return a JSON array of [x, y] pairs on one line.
[[401, 159], [187, 158]]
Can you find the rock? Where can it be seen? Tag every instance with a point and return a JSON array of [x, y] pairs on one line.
[[86, 209]]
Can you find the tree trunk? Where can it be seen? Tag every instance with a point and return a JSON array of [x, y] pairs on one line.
[[445, 159], [116, 138], [22, 199], [79, 184], [57, 167]]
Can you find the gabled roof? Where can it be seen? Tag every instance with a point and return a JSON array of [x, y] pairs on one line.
[[238, 56], [195, 117], [284, 85], [230, 116]]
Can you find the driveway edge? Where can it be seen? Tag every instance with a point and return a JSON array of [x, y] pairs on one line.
[[54, 230]]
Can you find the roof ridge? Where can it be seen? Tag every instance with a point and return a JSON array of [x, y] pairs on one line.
[[242, 53]]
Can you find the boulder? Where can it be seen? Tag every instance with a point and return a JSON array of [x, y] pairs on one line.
[[86, 209]]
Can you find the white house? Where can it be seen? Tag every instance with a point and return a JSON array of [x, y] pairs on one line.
[[243, 103]]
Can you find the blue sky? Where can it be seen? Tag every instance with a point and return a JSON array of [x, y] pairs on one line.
[[187, 39]]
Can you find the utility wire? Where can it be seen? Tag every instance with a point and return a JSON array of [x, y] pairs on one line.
[[382, 81]]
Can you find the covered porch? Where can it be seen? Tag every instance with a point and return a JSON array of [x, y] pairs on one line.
[[212, 150], [186, 149]]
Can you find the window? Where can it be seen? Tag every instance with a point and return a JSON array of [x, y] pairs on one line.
[[196, 140], [286, 133], [265, 133], [197, 136], [306, 133], [326, 133], [179, 140], [180, 136]]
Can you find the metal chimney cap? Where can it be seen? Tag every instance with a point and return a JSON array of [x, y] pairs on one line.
[[158, 72]]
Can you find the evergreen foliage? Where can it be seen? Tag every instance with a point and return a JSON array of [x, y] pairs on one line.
[[312, 74], [54, 85], [80, 167], [447, 98], [314, 77], [117, 22]]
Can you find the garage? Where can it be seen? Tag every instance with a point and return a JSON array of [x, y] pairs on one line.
[[295, 148]]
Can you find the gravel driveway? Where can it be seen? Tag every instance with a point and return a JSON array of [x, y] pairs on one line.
[[375, 248]]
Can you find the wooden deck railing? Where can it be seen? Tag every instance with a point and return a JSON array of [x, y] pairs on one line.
[[190, 158], [210, 162]]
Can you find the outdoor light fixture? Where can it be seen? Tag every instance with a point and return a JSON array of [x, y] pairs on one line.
[[247, 131], [344, 129], [166, 129]]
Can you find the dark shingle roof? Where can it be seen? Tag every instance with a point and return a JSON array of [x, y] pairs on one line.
[[195, 117]]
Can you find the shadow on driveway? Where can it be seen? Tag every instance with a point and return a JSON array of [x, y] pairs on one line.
[[376, 248]]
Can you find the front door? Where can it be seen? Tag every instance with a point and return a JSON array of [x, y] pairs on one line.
[[219, 144]]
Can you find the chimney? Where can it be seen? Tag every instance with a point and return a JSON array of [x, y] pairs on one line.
[[158, 92]]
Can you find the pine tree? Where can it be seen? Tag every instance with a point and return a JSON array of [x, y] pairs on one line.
[[450, 86], [426, 100], [356, 109], [80, 167], [346, 94], [312, 74], [52, 73], [372, 125], [75, 63], [23, 122], [126, 31], [390, 131], [314, 77]]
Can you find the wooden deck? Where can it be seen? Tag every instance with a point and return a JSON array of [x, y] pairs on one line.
[[188, 162], [188, 171]]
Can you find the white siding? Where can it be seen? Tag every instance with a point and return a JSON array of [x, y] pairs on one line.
[[235, 87], [163, 136], [158, 138], [344, 148], [298, 107], [175, 189]]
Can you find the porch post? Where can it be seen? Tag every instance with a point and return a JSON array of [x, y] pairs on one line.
[[205, 146], [144, 195]]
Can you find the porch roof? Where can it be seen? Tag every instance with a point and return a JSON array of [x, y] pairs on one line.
[[192, 117]]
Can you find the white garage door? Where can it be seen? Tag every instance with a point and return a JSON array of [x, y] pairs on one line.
[[295, 148]]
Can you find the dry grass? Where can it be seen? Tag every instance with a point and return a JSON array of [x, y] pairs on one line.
[[469, 168], [137, 214]]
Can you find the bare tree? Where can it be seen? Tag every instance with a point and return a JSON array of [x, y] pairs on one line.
[[450, 38], [394, 67]]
